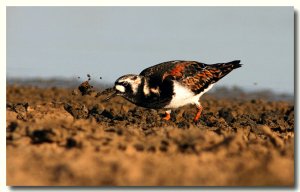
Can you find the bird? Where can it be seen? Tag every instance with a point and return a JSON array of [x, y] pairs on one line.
[[172, 84]]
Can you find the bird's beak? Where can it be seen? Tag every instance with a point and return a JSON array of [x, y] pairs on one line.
[[111, 96]]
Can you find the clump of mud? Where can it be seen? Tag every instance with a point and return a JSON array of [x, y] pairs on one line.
[[58, 138], [85, 88]]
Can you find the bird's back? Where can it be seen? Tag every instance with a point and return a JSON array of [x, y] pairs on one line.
[[192, 74]]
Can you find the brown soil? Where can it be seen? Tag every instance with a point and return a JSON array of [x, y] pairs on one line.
[[56, 136]]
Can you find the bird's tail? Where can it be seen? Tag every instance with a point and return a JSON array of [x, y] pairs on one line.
[[230, 65], [222, 69], [227, 67]]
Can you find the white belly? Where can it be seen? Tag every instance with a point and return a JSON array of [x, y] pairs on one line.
[[184, 96]]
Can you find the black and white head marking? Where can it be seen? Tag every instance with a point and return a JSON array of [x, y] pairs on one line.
[[128, 83], [120, 88]]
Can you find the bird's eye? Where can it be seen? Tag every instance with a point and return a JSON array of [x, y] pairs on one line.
[[125, 83]]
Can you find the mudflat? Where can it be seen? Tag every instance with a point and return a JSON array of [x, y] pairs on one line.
[[58, 137]]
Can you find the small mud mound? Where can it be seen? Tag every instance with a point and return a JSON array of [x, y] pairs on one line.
[[85, 88]]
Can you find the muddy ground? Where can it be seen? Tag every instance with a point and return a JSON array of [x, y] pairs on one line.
[[57, 136]]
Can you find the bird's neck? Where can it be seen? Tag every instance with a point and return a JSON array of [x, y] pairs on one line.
[[138, 94]]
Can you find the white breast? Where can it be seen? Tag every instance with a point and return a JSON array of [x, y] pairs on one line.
[[184, 96]]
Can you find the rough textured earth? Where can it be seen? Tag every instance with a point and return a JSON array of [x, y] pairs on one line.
[[56, 136]]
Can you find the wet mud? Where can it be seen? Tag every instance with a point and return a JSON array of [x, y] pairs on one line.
[[62, 137]]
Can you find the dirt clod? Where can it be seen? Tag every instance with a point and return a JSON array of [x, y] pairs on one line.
[[85, 88]]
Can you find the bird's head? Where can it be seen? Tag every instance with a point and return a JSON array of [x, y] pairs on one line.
[[127, 86]]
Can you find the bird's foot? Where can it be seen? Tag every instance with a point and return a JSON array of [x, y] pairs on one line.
[[197, 118], [167, 117], [198, 115]]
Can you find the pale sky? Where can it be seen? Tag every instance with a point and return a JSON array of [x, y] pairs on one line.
[[112, 41]]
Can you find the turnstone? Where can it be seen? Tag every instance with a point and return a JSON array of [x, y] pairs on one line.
[[171, 84]]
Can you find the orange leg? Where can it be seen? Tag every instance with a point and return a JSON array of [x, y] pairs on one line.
[[198, 113], [168, 116]]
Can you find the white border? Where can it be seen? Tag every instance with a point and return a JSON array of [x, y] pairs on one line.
[[4, 3], [3, 99], [151, 3]]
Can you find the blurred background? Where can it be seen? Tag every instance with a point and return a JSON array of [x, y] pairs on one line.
[[108, 42]]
